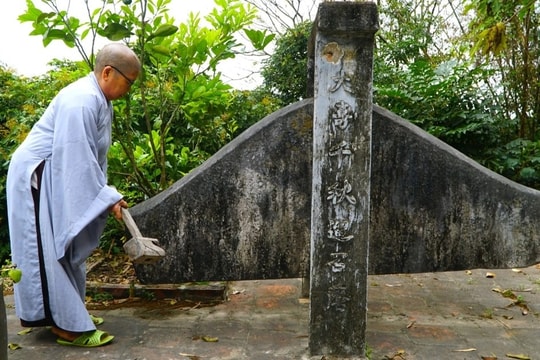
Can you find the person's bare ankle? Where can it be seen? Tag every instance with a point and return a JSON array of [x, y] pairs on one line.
[[64, 334]]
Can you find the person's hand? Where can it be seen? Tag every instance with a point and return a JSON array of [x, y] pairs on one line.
[[116, 209]]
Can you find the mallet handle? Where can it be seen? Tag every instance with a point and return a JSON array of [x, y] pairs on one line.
[[130, 224]]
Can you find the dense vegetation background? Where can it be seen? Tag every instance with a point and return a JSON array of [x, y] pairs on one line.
[[466, 71]]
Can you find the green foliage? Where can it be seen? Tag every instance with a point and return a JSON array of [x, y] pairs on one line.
[[55, 25], [113, 238], [408, 29], [97, 296], [519, 160], [285, 71], [446, 101], [173, 121], [259, 38], [505, 37], [248, 107]]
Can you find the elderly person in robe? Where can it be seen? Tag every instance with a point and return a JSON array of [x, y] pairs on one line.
[[58, 199]]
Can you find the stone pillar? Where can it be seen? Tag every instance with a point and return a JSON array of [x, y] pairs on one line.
[[343, 66]]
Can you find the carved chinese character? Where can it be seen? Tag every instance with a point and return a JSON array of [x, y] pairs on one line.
[[337, 194], [341, 115], [339, 230], [338, 261], [343, 152], [338, 298]]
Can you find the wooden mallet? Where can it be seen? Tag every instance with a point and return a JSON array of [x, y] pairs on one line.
[[141, 250]]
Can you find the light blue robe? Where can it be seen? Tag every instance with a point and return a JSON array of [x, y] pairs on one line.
[[73, 137]]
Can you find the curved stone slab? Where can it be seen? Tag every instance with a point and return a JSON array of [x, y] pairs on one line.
[[434, 209], [244, 213]]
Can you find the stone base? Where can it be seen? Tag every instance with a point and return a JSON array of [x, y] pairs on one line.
[[214, 291]]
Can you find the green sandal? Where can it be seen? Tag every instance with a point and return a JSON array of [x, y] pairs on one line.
[[88, 339], [97, 320]]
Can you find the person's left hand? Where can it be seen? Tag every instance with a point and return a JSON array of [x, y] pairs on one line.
[[116, 209]]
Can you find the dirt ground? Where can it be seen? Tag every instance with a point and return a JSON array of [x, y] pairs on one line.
[[110, 268]]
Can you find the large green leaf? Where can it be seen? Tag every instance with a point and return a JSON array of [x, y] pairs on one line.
[[116, 31], [259, 39], [163, 30]]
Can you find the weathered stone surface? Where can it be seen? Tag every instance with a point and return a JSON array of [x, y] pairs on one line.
[[346, 19], [434, 209], [343, 59]]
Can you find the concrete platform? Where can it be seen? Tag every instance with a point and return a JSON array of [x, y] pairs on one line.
[[428, 316]]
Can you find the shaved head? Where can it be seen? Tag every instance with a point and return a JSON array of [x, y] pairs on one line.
[[118, 55]]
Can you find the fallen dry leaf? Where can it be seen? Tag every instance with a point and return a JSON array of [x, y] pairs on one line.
[[190, 356], [398, 355], [516, 300], [466, 350], [13, 346], [517, 270], [518, 356], [210, 339], [468, 272], [490, 275], [25, 331], [489, 357], [172, 301]]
